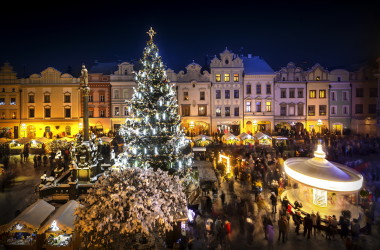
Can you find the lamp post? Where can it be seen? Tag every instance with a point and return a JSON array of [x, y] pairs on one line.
[[319, 123], [255, 125], [85, 89]]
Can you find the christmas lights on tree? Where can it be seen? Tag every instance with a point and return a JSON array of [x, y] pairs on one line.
[[153, 134]]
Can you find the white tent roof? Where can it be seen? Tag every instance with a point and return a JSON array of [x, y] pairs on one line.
[[260, 135], [244, 136], [202, 137], [33, 216], [64, 217], [230, 136]]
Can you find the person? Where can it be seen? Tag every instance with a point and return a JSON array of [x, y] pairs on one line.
[[283, 227], [344, 227], [319, 220], [297, 221], [307, 226], [270, 233], [218, 229], [250, 229], [333, 226], [355, 229], [273, 199], [313, 217], [223, 197], [265, 220]]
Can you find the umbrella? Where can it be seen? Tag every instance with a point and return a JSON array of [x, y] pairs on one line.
[[23, 140], [106, 139]]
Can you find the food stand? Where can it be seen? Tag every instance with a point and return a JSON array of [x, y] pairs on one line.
[[230, 139], [263, 139], [247, 138], [59, 229], [36, 147], [21, 232], [202, 140]]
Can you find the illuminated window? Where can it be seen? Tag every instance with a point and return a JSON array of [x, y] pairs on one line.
[[126, 111], [226, 77], [236, 77], [268, 106], [318, 78], [185, 96], [248, 107], [311, 110], [218, 78], [322, 93], [312, 94], [13, 101], [117, 111], [2, 101], [322, 109], [218, 111], [202, 110], [227, 111], [13, 115]]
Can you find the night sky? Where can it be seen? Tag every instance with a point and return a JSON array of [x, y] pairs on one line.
[[35, 36]]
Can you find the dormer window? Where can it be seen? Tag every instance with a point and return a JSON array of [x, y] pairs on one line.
[[226, 61], [318, 78]]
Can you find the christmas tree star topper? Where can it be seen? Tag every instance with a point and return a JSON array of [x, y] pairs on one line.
[[151, 33]]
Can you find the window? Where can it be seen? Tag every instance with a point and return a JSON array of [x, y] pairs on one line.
[[67, 112], [248, 89], [248, 107], [312, 94], [126, 94], [372, 108], [13, 101], [333, 110], [322, 93], [358, 108], [126, 111], [90, 113], [202, 110], [236, 77], [31, 98], [283, 93], [318, 78], [292, 93], [333, 95], [345, 109], [226, 77], [2, 115], [227, 94], [258, 106], [227, 111], [13, 115], [359, 92], [373, 92], [185, 96], [345, 95], [185, 110], [117, 111], [283, 110], [202, 96], [236, 93], [322, 109], [46, 98], [31, 112], [311, 110], [269, 89], [300, 93], [47, 112], [268, 106], [300, 109], [218, 78], [90, 98], [218, 111], [102, 98], [339, 79], [258, 89], [218, 94], [102, 113], [116, 94], [13, 90], [292, 110], [236, 111], [2, 101], [67, 98]]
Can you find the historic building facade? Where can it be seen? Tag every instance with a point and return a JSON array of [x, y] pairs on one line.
[[258, 93], [50, 104], [194, 99], [290, 97], [226, 93]]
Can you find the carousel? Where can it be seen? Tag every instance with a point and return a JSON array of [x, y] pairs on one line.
[[323, 186]]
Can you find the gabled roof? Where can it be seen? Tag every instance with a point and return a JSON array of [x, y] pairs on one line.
[[255, 65]]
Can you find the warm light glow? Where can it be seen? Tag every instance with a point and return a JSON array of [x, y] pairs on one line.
[[54, 226], [228, 162], [319, 123], [343, 186]]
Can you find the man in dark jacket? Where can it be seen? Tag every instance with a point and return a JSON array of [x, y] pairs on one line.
[[307, 226]]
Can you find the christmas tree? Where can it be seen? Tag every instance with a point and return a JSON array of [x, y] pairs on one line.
[[153, 135]]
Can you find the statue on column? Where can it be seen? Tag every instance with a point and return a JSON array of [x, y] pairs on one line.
[[84, 75]]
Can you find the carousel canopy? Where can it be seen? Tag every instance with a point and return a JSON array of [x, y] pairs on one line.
[[33, 216], [63, 217], [323, 174]]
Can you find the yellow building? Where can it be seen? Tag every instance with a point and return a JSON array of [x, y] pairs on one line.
[[50, 104]]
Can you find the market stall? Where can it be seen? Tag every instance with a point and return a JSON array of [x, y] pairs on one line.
[[279, 141], [22, 231], [230, 139], [58, 231], [263, 139], [37, 147], [202, 140], [246, 138], [15, 147]]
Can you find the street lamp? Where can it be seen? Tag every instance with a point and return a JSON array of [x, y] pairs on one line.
[[255, 125], [319, 123]]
